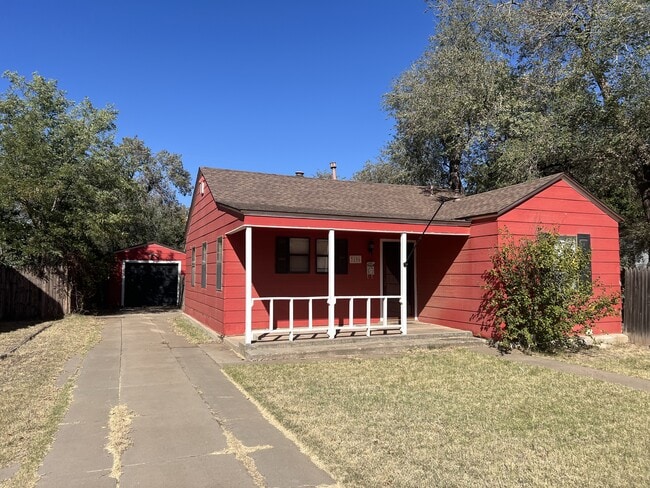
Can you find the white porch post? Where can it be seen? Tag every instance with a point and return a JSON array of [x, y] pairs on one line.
[[248, 338], [402, 282], [331, 293]]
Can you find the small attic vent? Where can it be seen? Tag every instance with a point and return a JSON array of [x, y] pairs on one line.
[[300, 174], [202, 187]]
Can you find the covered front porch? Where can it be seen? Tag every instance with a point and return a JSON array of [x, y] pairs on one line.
[[339, 282], [331, 299]]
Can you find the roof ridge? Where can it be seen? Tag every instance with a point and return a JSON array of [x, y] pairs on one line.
[[337, 181]]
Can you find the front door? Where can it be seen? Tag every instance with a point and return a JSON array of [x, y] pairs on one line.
[[391, 277]]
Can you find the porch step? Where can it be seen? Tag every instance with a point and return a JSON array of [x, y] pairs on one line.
[[318, 345]]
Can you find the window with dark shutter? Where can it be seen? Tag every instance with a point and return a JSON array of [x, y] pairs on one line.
[[292, 255]]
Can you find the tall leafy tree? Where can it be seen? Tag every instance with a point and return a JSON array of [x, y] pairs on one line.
[[509, 90], [583, 76], [445, 105], [69, 195], [157, 178]]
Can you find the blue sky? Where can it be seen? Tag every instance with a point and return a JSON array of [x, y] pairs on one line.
[[252, 85]]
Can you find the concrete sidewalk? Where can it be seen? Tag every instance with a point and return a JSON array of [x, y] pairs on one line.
[[192, 426], [565, 367]]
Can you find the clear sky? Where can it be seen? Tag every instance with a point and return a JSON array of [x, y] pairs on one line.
[[273, 86]]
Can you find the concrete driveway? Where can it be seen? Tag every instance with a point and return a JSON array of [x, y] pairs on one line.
[[191, 425]]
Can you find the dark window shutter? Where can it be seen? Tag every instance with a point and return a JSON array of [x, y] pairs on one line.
[[584, 243], [282, 255]]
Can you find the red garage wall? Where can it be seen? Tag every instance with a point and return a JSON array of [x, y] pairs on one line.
[[144, 252]]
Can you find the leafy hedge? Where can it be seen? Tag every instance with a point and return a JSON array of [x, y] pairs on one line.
[[539, 294]]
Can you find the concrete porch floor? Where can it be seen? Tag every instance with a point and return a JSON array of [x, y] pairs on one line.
[[315, 344]]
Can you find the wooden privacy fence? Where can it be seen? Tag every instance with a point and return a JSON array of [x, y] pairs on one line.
[[26, 296], [636, 305]]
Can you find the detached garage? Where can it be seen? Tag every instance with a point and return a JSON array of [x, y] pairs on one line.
[[147, 275]]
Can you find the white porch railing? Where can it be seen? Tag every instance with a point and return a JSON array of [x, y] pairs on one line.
[[352, 325]]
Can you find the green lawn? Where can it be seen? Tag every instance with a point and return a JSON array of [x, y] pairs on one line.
[[31, 402], [454, 418]]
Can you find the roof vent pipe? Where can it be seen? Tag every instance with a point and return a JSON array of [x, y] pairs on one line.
[[300, 174], [333, 168]]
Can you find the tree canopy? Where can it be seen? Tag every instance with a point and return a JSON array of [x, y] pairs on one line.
[[508, 91], [69, 194]]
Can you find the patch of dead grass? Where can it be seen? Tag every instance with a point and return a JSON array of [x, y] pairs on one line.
[[119, 427], [627, 359], [457, 419], [192, 332], [31, 403]]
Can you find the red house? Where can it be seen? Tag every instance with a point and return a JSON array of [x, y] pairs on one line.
[[146, 275], [288, 253]]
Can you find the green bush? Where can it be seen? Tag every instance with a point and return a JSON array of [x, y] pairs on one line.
[[539, 294]]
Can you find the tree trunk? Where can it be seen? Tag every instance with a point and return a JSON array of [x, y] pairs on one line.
[[642, 182], [455, 182]]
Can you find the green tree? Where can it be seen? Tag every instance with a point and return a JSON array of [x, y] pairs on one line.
[[445, 105], [158, 178], [69, 195], [582, 100], [539, 293], [508, 91]]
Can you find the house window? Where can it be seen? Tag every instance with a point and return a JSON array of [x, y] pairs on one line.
[[340, 256], [292, 255], [583, 241], [204, 249], [219, 262], [193, 273]]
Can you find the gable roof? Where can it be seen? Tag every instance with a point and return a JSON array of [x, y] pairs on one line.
[[499, 201], [496, 202], [260, 193]]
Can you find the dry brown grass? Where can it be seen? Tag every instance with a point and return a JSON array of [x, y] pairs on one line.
[[31, 403], [192, 332], [119, 427], [455, 418], [627, 359]]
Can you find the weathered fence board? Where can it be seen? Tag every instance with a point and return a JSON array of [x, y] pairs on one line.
[[25, 296], [636, 311]]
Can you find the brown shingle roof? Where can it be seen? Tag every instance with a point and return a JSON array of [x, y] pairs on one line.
[[249, 192], [495, 201]]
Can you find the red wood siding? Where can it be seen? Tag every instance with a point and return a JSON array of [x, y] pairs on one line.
[[206, 223], [570, 213], [145, 252], [449, 278]]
